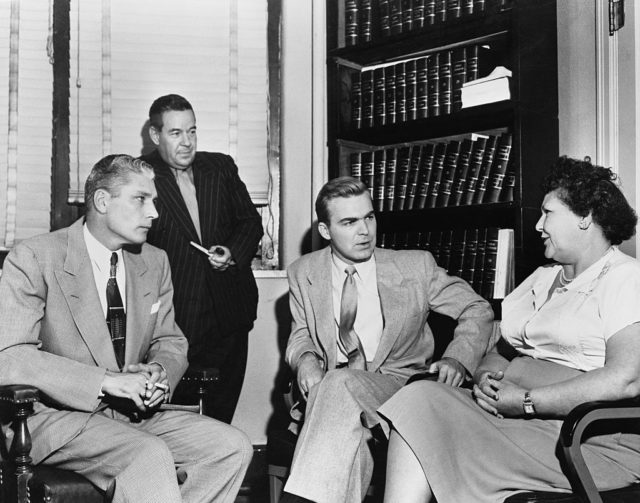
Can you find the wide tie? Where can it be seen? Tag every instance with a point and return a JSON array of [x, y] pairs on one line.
[[348, 309], [188, 191], [116, 317]]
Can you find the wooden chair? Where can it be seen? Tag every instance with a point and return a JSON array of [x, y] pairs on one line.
[[572, 434], [21, 482]]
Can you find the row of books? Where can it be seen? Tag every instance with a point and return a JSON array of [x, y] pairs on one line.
[[474, 170], [368, 20], [483, 257], [428, 86]]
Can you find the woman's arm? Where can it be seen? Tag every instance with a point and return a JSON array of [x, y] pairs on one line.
[[618, 379]]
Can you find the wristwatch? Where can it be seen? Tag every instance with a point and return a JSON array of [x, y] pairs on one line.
[[527, 405]]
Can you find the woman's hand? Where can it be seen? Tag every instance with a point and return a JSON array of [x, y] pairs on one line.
[[486, 390], [500, 398]]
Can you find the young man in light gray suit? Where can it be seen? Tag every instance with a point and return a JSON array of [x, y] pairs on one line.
[[99, 416], [396, 290]]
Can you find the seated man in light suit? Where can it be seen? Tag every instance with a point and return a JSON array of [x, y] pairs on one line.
[[86, 315], [350, 355]]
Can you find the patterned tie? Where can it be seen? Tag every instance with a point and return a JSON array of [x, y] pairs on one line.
[[188, 191], [116, 317], [348, 309]]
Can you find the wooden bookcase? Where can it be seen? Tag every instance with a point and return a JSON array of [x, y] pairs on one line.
[[520, 35]]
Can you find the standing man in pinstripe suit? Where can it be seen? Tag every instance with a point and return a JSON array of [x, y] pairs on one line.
[[202, 199]]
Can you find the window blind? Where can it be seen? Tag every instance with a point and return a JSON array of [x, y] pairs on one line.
[[125, 54], [25, 120]]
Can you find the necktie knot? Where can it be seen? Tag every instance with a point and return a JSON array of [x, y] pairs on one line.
[[113, 263], [350, 270]]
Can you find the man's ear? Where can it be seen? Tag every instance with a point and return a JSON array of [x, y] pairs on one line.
[[323, 229], [154, 134], [101, 200]]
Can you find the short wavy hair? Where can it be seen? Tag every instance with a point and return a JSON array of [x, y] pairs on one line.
[[586, 188], [343, 186], [167, 103]]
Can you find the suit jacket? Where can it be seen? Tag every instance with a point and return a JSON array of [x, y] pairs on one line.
[[228, 218], [53, 332], [410, 285]]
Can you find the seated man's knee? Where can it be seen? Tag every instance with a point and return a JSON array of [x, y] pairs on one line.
[[151, 449], [338, 378], [222, 441]]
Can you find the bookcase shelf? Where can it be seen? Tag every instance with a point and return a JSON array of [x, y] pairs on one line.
[[390, 95]]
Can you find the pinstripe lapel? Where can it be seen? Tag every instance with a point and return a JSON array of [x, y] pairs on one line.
[[139, 302], [78, 287], [394, 301], [170, 197], [321, 300], [206, 178]]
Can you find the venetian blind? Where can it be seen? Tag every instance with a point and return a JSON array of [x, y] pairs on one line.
[[125, 54], [25, 120]]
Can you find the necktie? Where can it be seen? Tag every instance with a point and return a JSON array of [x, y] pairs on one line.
[[116, 317], [348, 309], [188, 191]]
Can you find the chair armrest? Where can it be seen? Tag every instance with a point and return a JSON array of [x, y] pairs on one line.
[[571, 435], [17, 394]]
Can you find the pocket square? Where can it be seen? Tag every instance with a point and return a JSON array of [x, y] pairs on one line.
[[155, 307]]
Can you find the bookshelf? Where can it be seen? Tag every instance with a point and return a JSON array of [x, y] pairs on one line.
[[394, 85]]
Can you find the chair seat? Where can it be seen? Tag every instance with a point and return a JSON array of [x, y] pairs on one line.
[[629, 494], [58, 486]]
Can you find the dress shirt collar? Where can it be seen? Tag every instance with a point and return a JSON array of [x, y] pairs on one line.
[[99, 254], [363, 269]]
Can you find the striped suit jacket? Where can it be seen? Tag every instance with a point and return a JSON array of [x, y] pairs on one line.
[[227, 217]]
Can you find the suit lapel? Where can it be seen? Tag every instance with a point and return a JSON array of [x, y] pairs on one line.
[[170, 197], [139, 301], [207, 183], [321, 297], [79, 289], [394, 301]]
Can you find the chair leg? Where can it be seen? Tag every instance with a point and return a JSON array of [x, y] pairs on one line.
[[21, 447], [275, 488]]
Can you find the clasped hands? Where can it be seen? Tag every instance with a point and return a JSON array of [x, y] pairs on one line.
[[146, 385], [498, 397], [220, 258]]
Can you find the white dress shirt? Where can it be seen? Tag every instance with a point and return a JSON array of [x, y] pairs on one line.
[[101, 263], [369, 323]]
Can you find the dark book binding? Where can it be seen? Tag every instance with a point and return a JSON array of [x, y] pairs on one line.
[[366, 84], [391, 155], [508, 187], [429, 12], [444, 258], [454, 9], [395, 16], [390, 94], [462, 172], [355, 164], [435, 238], [445, 83], [469, 262], [350, 22], [401, 102], [365, 21], [407, 16], [479, 263], [418, 14], [458, 248], [474, 170], [433, 86], [498, 169], [402, 177], [467, 7], [379, 175], [436, 175], [448, 173], [411, 89], [489, 266], [384, 14], [485, 168], [441, 11], [412, 182], [458, 76], [422, 88], [367, 171], [356, 101], [424, 175], [379, 102]]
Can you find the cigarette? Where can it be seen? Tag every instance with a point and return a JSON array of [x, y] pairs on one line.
[[161, 386]]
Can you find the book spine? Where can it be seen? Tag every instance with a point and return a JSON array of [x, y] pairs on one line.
[[367, 171], [458, 248], [474, 170], [422, 88], [356, 101], [407, 16], [462, 171], [390, 94], [508, 188], [350, 22], [384, 17], [402, 177], [445, 83], [479, 263], [401, 101], [366, 84], [434, 244], [478, 5], [355, 164], [433, 86], [411, 89], [483, 176], [469, 263], [454, 9], [379, 98], [395, 15], [458, 76], [379, 175], [412, 182], [436, 175], [390, 178], [467, 7], [489, 266], [365, 21], [499, 169], [449, 173], [472, 62], [441, 11], [429, 12], [444, 258], [418, 14], [424, 175]]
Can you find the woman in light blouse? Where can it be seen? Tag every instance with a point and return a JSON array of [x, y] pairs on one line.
[[570, 333]]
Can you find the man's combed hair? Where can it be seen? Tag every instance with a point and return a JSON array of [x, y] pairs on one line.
[[110, 173], [167, 103], [344, 186], [586, 188]]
